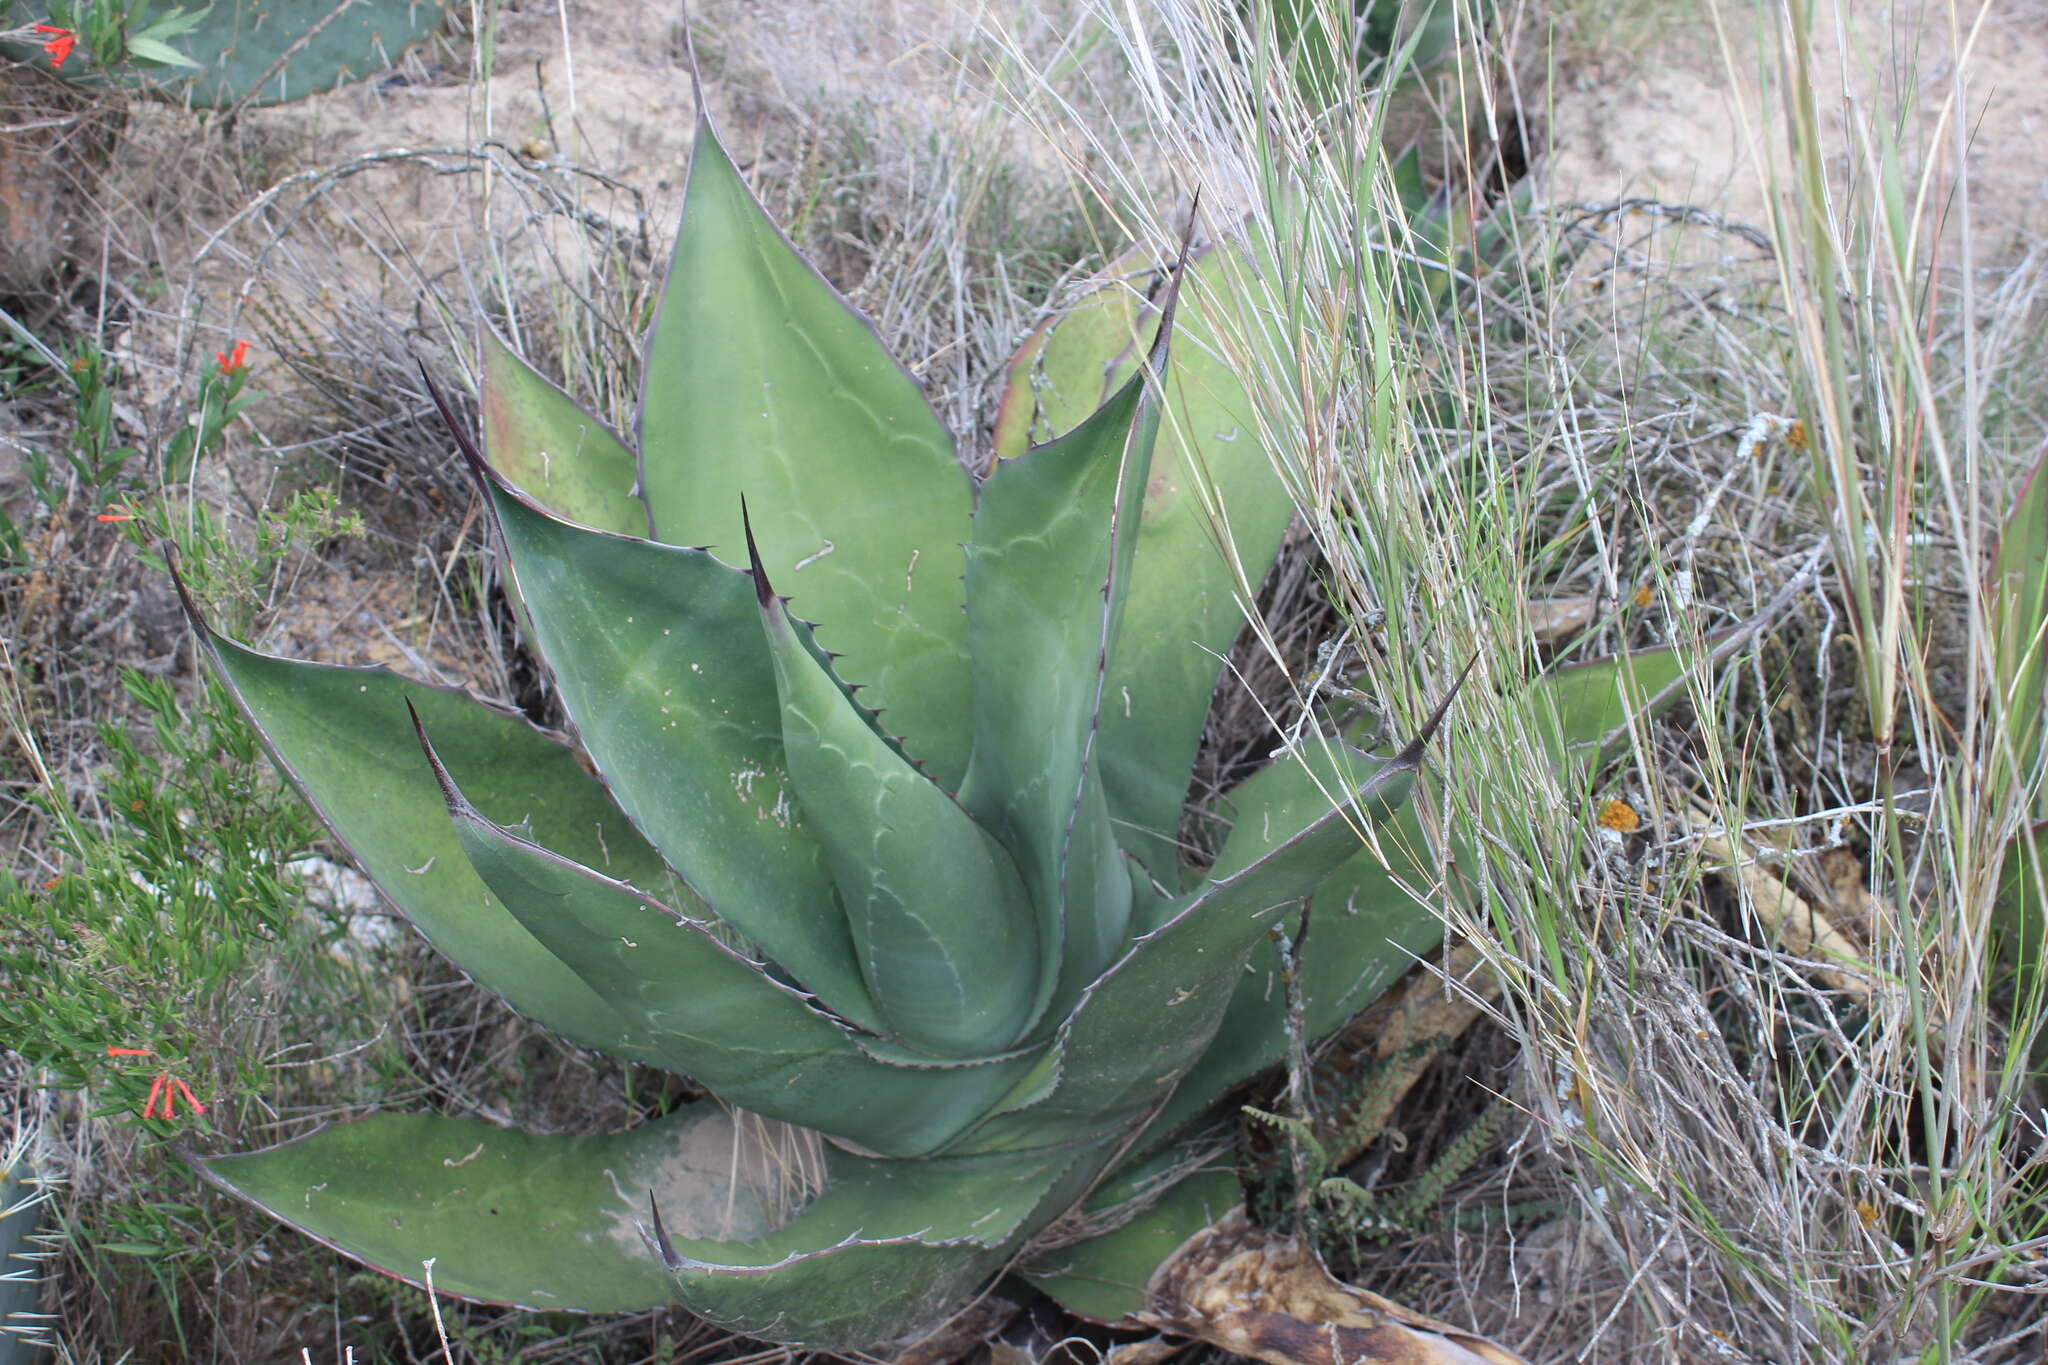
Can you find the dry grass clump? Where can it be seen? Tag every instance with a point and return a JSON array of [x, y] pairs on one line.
[[1763, 1035]]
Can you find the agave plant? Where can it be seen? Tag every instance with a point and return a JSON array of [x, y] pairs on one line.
[[905, 878]]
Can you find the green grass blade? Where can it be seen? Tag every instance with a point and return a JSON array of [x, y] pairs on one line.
[[1366, 929]]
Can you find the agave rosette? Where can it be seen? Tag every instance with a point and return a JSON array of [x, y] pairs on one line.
[[905, 878]]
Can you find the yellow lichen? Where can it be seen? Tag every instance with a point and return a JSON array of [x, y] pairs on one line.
[[1620, 817]]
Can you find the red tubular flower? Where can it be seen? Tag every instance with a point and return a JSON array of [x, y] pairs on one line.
[[163, 1091], [166, 1088], [62, 40], [233, 360]]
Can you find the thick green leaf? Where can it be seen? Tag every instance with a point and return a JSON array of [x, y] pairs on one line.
[[1071, 363], [1138, 1029], [341, 736], [1214, 514], [761, 381], [2021, 908], [706, 1012], [938, 912], [1104, 1278], [1365, 929], [233, 53], [549, 446], [1051, 552], [658, 655], [887, 1249], [1576, 707], [513, 1217]]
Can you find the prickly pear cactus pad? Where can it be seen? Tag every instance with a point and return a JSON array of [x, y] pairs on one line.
[[868, 860], [254, 52]]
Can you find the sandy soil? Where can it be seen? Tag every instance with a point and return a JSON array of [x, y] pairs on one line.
[[1652, 111], [1666, 115]]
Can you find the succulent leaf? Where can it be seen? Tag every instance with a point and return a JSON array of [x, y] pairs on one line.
[[987, 1001], [1071, 363], [761, 381], [2017, 607], [887, 1248], [1578, 706], [506, 1216], [658, 655], [1104, 1278], [696, 1007], [236, 52], [1213, 517], [1366, 927], [340, 735], [1045, 572], [1138, 1029], [548, 445], [937, 910]]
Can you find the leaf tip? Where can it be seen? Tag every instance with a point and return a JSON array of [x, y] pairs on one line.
[[670, 1260], [764, 591], [470, 454], [1156, 360], [457, 804], [1411, 756], [192, 612], [696, 76]]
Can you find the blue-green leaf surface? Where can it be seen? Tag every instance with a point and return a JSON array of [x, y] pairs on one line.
[[341, 735], [658, 655], [887, 1249], [702, 1010], [762, 382], [1104, 1278], [1138, 1029], [1213, 515], [551, 447], [938, 913], [1051, 551], [548, 1222]]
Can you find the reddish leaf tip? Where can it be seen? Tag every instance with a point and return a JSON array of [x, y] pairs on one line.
[[463, 440], [454, 798]]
